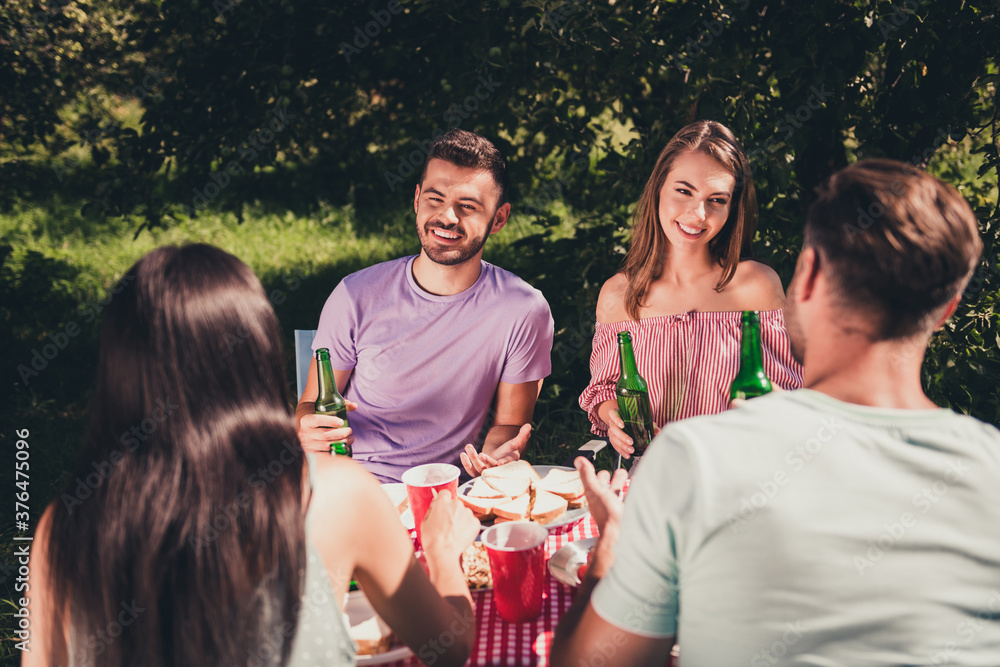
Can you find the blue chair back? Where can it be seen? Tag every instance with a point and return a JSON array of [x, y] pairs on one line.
[[303, 357]]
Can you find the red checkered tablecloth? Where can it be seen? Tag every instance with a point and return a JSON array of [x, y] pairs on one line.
[[502, 644]]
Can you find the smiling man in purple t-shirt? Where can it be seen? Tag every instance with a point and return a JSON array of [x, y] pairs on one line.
[[440, 350]]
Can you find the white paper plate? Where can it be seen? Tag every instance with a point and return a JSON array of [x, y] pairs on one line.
[[359, 610], [568, 517], [566, 561]]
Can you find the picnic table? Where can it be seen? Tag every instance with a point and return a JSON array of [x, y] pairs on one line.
[[502, 644]]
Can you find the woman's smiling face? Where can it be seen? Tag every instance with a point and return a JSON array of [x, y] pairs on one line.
[[695, 200]]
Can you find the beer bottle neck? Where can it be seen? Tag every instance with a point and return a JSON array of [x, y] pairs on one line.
[[629, 368], [751, 356], [327, 383]]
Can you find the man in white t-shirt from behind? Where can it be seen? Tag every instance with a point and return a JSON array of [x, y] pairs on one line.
[[852, 522]]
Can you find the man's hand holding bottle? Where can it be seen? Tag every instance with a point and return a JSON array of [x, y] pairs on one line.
[[317, 432]]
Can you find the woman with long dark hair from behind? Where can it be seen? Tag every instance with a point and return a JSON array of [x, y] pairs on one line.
[[207, 538], [687, 276]]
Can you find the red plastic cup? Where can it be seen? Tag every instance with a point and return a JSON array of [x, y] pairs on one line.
[[426, 481], [517, 559]]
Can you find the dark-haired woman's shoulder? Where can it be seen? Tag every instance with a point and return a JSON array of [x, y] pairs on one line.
[[755, 287], [349, 514], [611, 301], [340, 479]]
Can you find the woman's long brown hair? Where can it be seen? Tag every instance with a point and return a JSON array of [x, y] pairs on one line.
[[189, 547], [644, 260]]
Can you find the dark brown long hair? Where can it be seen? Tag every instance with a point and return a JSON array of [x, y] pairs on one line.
[[180, 540], [644, 259]]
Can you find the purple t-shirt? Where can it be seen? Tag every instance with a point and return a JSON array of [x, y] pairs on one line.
[[426, 367]]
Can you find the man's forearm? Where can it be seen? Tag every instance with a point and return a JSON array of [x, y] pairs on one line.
[[567, 624], [498, 435]]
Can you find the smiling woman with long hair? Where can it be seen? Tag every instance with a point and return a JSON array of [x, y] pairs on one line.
[[687, 276], [204, 537]]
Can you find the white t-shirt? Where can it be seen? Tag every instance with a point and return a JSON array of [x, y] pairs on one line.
[[801, 530]]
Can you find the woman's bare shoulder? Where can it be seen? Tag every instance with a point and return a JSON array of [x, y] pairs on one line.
[[757, 287], [340, 483], [611, 301], [339, 477]]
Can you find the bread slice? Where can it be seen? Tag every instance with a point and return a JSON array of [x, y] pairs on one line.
[[480, 489], [547, 507], [512, 487], [557, 475], [568, 490], [518, 468], [483, 507], [515, 509], [565, 483], [579, 501]]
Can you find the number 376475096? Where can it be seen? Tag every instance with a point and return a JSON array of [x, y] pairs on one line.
[[22, 479]]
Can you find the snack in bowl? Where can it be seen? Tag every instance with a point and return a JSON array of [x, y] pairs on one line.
[[476, 564], [516, 492], [581, 572]]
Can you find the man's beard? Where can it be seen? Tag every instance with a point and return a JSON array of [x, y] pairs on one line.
[[462, 252]]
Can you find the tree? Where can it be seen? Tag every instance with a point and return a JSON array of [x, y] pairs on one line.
[[338, 101]]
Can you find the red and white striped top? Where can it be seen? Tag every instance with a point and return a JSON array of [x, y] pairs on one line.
[[688, 361]]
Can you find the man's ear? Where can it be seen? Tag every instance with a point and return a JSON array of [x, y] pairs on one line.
[[416, 197], [807, 273], [500, 218], [949, 310]]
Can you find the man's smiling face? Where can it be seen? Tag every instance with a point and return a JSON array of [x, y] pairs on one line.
[[456, 212]]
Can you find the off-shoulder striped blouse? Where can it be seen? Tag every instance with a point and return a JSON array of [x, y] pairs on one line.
[[688, 360]]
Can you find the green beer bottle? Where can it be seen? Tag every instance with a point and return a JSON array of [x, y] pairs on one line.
[[633, 398], [329, 401], [751, 381]]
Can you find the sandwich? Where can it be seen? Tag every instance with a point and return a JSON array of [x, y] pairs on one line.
[[564, 483], [546, 507], [511, 487], [512, 479], [480, 489], [483, 507], [516, 509], [515, 492]]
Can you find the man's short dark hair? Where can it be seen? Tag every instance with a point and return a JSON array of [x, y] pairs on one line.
[[467, 149], [899, 242]]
